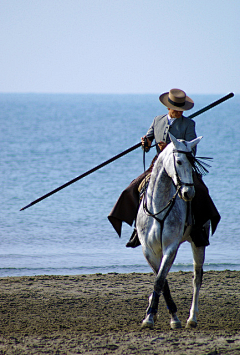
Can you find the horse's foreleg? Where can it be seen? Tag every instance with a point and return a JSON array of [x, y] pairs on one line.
[[174, 321], [166, 264], [151, 312], [198, 257]]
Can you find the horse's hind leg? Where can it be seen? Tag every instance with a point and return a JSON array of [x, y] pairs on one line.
[[198, 258]]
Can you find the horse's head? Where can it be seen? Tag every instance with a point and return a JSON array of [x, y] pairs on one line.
[[178, 166]]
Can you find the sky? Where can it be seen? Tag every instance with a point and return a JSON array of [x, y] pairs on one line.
[[119, 46]]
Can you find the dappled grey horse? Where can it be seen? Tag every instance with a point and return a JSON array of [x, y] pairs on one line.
[[161, 226]]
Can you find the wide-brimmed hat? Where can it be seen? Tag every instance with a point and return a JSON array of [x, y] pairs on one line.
[[176, 99]]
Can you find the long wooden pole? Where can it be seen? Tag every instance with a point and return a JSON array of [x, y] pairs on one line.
[[215, 103], [82, 175]]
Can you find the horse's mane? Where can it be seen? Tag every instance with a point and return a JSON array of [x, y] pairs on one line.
[[197, 163]]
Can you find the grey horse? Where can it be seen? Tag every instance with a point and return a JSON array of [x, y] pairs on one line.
[[161, 226]]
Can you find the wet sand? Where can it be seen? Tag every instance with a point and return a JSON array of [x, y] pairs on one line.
[[102, 314]]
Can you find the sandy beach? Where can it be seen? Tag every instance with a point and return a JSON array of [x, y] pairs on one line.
[[102, 314]]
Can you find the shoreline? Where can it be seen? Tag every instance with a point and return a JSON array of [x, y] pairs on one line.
[[102, 314], [175, 268]]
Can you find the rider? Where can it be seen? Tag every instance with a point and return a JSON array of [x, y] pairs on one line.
[[126, 208], [179, 126]]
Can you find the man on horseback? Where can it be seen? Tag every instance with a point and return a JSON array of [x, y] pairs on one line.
[[202, 206]]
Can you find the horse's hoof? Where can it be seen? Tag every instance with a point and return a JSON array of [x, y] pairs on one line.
[[175, 324], [148, 322], [191, 324]]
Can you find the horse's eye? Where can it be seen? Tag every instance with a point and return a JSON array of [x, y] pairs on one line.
[[179, 162]]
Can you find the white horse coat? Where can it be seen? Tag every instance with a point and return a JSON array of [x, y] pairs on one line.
[[161, 223]]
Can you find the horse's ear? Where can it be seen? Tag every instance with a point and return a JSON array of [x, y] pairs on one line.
[[194, 142], [173, 139]]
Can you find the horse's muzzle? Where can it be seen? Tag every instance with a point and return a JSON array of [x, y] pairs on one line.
[[187, 193]]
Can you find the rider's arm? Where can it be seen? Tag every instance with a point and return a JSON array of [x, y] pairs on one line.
[[149, 137]]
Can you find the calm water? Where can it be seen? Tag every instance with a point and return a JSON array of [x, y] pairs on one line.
[[47, 140]]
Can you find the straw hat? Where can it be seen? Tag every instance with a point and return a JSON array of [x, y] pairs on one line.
[[176, 99]]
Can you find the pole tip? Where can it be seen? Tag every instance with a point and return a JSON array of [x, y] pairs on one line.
[[23, 208]]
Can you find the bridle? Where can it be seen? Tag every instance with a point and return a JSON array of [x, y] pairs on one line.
[[171, 203], [179, 182], [197, 165]]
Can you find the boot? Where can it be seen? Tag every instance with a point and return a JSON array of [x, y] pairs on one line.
[[133, 241]]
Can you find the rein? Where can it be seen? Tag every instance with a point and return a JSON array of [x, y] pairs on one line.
[[170, 204], [198, 167]]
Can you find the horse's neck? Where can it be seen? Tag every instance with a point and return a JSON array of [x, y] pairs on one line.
[[161, 188]]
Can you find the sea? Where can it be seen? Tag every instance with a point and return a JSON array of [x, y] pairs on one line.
[[50, 139]]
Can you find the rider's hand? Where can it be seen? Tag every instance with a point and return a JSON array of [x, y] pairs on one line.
[[146, 148], [162, 145]]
